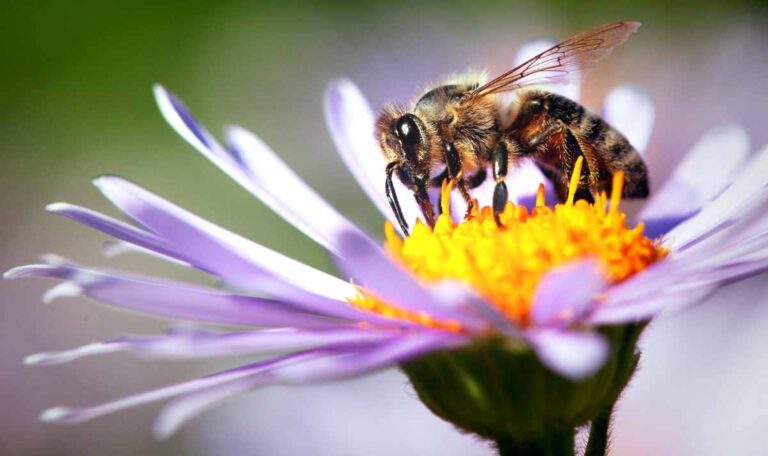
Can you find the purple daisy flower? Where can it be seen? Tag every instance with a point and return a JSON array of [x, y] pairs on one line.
[[386, 312]]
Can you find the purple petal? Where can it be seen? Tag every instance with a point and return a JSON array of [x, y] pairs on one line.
[[631, 112], [178, 117], [489, 312], [385, 354], [61, 357], [659, 226], [151, 242], [253, 165], [112, 227], [704, 173], [350, 121], [740, 213], [370, 267], [287, 194], [647, 306], [179, 411], [233, 258], [330, 366], [67, 415], [573, 354], [741, 251], [523, 184], [567, 293], [172, 299], [570, 89], [206, 345], [113, 248]]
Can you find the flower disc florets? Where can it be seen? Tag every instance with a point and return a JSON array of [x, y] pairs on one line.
[[505, 262]]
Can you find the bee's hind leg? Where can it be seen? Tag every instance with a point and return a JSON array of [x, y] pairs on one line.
[[500, 169], [477, 179]]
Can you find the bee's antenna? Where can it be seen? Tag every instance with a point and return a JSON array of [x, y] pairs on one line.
[[392, 198]]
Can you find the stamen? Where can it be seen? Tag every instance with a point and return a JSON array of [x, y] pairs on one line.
[[575, 178], [445, 196], [616, 190], [541, 197]]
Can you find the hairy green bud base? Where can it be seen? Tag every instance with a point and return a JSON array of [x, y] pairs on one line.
[[502, 392]]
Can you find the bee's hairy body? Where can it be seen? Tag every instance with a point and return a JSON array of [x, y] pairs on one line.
[[577, 132], [476, 129], [461, 129]]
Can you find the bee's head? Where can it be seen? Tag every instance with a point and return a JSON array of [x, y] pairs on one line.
[[404, 141]]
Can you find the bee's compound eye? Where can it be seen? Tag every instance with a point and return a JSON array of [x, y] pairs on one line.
[[409, 135]]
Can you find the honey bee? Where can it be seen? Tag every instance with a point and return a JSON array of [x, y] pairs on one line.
[[459, 130]]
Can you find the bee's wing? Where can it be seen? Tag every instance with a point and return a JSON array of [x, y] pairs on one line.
[[576, 54]]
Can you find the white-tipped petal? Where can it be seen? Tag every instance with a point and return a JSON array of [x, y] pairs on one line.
[[62, 290], [350, 121], [711, 165], [285, 192], [232, 257], [567, 293], [61, 357], [573, 354], [747, 191]]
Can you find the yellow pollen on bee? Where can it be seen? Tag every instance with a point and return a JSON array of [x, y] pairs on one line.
[[505, 263]]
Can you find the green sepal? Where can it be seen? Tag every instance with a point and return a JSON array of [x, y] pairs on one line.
[[501, 391]]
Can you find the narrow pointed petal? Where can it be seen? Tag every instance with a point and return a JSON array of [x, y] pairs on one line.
[[68, 415], [370, 267], [567, 293], [350, 121], [659, 226], [175, 300], [179, 411], [573, 354], [193, 255], [523, 183], [644, 308], [326, 367], [233, 258], [111, 227], [382, 355], [192, 346], [113, 248], [631, 111], [65, 356], [746, 194], [178, 117], [253, 165], [570, 89], [285, 192], [710, 166]]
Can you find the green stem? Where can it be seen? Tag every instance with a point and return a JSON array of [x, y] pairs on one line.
[[556, 443], [599, 434]]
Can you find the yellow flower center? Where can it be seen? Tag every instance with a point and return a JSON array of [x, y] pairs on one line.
[[505, 262]]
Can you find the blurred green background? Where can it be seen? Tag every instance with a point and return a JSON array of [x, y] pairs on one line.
[[75, 102]]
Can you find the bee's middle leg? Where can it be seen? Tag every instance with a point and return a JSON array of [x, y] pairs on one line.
[[453, 161], [501, 163]]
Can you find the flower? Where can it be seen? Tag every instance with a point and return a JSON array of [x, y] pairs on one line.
[[585, 280]]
